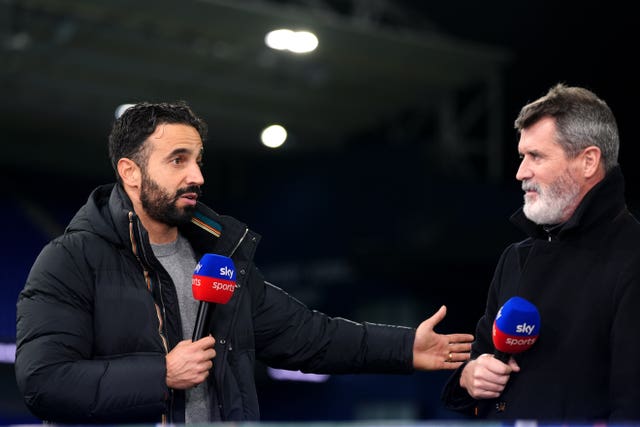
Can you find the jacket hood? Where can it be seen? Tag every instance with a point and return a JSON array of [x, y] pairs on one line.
[[604, 200], [103, 214]]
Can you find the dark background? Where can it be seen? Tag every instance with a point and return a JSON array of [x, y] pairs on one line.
[[372, 210]]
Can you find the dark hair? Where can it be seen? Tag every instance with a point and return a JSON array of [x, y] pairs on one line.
[[582, 120], [133, 127]]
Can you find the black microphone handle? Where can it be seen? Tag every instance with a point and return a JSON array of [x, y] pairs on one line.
[[205, 311], [501, 356]]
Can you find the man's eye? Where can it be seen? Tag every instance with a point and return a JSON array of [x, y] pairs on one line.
[[176, 161]]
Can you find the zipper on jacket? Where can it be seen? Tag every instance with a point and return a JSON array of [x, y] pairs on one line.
[[233, 251], [162, 314], [217, 387], [552, 231], [163, 336]]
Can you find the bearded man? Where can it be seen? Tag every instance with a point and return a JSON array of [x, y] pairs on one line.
[[580, 266], [105, 318]]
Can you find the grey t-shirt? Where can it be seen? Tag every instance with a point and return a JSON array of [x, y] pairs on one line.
[[179, 260]]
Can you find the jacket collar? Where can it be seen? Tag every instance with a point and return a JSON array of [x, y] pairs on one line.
[[227, 231], [207, 231], [109, 213], [604, 200]]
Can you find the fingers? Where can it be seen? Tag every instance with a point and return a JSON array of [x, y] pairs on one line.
[[189, 363], [457, 357], [208, 351], [205, 342], [513, 365], [459, 348], [485, 377], [461, 338], [493, 365], [456, 354], [433, 351], [485, 390]]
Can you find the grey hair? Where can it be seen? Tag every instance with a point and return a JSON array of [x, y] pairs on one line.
[[582, 120]]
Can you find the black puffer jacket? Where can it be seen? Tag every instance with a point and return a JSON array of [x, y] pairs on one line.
[[99, 313], [584, 278]]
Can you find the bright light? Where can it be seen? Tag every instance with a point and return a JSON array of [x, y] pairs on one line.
[[284, 375], [7, 352], [303, 42], [279, 39], [294, 41], [273, 136]]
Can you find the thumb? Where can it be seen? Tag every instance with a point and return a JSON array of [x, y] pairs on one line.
[[206, 342], [436, 318], [513, 365]]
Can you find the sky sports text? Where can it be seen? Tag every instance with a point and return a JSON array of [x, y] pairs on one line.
[[520, 341], [224, 271], [524, 328], [218, 286]]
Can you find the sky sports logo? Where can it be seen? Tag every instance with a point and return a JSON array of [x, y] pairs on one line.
[[213, 283], [212, 289], [511, 341], [515, 339], [213, 279], [225, 271], [525, 329], [223, 286]]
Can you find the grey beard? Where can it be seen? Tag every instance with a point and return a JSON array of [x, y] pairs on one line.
[[554, 203]]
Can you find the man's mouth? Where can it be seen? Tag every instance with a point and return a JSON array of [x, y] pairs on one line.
[[189, 198], [530, 188]]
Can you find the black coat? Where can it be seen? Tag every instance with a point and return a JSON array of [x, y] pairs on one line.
[[89, 348], [585, 281]]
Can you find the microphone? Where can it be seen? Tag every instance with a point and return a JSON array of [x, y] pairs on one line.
[[516, 328], [213, 282]]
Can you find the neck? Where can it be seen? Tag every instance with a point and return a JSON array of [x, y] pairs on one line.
[[159, 233]]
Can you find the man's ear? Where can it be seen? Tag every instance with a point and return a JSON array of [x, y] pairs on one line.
[[129, 172], [591, 161]]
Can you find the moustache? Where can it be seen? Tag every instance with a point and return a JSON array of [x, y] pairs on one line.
[[530, 186], [191, 189]]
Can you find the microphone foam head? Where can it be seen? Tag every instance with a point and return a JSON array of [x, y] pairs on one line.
[[214, 279], [517, 326]]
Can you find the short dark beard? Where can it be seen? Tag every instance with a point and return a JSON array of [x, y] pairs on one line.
[[160, 206]]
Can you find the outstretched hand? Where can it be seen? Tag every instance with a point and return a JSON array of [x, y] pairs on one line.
[[433, 351]]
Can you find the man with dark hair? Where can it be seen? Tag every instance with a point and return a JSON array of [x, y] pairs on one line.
[[106, 314], [580, 266]]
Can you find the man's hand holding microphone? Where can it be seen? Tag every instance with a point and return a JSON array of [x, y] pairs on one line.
[[515, 329], [189, 362]]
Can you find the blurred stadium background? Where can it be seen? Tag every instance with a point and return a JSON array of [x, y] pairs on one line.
[[392, 191]]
